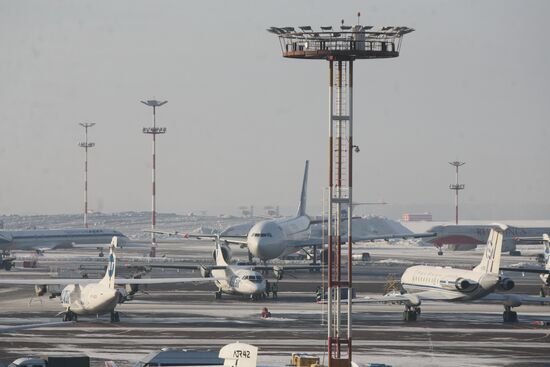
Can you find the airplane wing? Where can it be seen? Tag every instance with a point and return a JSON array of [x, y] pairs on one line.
[[11, 329], [319, 241], [527, 270], [413, 299], [119, 281], [163, 280], [514, 300], [233, 239], [48, 281]]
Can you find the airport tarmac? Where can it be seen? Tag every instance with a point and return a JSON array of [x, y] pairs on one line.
[[189, 317]]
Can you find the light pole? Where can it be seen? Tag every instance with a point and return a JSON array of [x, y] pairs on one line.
[[86, 145], [154, 131], [456, 187]]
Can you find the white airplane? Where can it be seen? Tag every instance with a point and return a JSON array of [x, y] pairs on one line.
[[48, 239], [463, 237], [274, 238], [544, 273], [94, 296], [244, 280], [435, 283]]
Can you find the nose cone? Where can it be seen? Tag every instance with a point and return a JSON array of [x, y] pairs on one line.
[[266, 241], [253, 288]]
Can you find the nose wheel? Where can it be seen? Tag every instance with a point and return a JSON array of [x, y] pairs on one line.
[[410, 313], [70, 316], [115, 317], [218, 295], [508, 315]]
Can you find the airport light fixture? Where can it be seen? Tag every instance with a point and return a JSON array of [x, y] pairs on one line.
[[340, 46], [154, 131], [86, 145], [456, 187]]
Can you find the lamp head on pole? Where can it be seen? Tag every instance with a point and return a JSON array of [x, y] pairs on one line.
[[154, 103]]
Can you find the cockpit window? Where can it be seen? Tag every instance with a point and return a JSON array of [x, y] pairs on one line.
[[261, 235], [254, 278]]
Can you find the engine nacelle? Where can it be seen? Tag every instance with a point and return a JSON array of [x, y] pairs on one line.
[[40, 290], [278, 272], [465, 285], [226, 251], [205, 272], [131, 289], [506, 284], [122, 295]]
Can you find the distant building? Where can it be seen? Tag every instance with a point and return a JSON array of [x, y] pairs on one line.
[[417, 217]]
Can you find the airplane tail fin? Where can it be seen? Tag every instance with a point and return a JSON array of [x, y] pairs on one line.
[[490, 263], [109, 278], [546, 242], [303, 195], [220, 259]]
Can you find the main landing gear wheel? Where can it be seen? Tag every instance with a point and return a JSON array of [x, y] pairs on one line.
[[508, 315], [218, 295], [70, 316], [410, 315], [115, 317]]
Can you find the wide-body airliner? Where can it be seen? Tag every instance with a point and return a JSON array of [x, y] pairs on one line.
[[274, 238]]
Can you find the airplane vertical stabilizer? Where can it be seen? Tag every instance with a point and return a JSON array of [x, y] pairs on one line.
[[546, 242], [109, 278], [302, 206], [490, 263], [220, 260]]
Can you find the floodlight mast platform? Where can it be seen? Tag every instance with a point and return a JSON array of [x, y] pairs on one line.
[[340, 47]]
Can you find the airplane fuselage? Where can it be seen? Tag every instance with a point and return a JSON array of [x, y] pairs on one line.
[[269, 239], [54, 238], [239, 281], [467, 237], [91, 299], [449, 282]]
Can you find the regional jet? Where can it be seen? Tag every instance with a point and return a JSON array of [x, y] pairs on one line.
[[435, 283], [94, 296], [274, 238]]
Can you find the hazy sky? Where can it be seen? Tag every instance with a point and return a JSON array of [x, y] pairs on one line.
[[472, 83]]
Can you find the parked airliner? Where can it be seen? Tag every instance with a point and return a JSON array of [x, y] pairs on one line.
[[94, 296], [274, 238], [543, 273], [436, 283]]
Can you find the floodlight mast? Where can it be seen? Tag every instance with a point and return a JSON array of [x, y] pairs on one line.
[[340, 48], [86, 145], [456, 187], [154, 131]]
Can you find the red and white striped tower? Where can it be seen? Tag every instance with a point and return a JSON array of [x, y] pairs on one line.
[[86, 145], [154, 131], [340, 47]]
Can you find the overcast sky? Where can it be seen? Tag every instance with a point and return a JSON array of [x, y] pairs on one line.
[[472, 83]]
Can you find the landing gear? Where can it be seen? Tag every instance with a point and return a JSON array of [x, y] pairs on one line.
[[219, 295], [410, 315], [70, 316], [508, 315], [115, 317], [440, 251], [515, 253], [101, 254]]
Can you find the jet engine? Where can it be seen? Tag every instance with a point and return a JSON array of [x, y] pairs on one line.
[[226, 251], [465, 285], [506, 284], [278, 272], [205, 272], [40, 290]]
